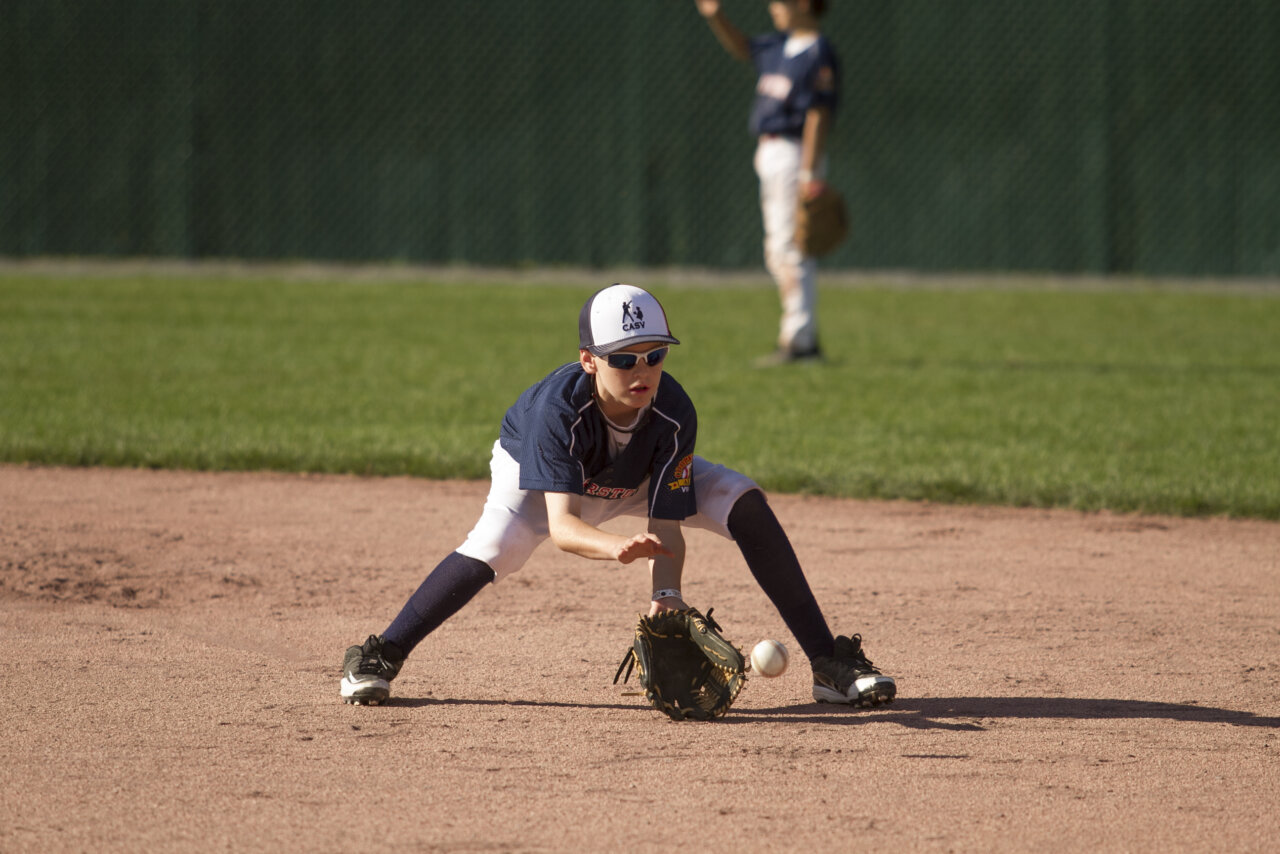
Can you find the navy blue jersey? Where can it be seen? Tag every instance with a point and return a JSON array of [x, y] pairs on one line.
[[556, 432], [788, 86]]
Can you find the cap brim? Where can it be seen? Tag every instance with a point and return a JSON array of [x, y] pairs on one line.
[[606, 349]]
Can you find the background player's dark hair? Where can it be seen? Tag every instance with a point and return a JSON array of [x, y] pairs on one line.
[[818, 7]]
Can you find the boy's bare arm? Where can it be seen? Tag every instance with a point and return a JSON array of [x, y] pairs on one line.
[[571, 534], [732, 39], [666, 570]]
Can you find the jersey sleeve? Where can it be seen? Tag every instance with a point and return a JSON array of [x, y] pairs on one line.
[[548, 464], [757, 45], [542, 432], [671, 488], [822, 84]]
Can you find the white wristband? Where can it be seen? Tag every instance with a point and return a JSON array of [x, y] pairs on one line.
[[666, 593]]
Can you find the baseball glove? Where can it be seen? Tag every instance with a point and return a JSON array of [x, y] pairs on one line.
[[822, 222], [687, 668]]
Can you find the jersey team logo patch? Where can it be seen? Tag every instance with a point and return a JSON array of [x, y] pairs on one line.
[[826, 79], [684, 475]]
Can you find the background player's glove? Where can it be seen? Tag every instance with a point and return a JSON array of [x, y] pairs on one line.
[[822, 222], [687, 668]]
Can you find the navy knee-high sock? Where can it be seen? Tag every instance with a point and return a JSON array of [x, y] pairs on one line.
[[773, 562], [452, 584]]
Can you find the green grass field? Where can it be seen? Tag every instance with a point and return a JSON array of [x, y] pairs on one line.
[[1131, 399]]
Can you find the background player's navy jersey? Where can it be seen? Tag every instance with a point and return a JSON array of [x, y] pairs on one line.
[[557, 434], [787, 87]]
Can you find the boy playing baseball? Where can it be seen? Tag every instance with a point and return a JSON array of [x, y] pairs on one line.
[[613, 435], [797, 89]]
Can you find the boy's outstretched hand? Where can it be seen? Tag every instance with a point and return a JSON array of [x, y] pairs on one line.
[[707, 8], [642, 546]]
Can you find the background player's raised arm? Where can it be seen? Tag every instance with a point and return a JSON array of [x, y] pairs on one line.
[[730, 37]]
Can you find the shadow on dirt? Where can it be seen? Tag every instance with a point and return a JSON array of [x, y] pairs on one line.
[[426, 702], [950, 713], [968, 713]]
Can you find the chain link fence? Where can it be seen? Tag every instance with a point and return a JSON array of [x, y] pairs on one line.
[[1100, 136]]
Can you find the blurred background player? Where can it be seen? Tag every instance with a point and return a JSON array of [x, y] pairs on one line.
[[612, 435], [797, 87]]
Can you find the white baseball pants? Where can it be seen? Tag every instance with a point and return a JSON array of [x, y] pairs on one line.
[[514, 521], [777, 163]]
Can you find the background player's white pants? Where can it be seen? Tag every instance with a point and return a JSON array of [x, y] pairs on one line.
[[514, 521], [777, 163]]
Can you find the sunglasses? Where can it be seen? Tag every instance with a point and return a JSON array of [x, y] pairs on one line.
[[627, 361]]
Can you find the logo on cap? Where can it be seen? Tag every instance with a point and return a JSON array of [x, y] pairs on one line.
[[632, 319]]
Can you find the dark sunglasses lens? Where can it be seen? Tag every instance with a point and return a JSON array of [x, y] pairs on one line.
[[627, 361]]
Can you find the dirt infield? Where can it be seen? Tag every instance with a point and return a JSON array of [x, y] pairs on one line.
[[1067, 681]]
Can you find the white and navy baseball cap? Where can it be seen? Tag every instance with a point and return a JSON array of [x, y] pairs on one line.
[[619, 316]]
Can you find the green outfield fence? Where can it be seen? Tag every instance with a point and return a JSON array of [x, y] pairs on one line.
[[1134, 136]]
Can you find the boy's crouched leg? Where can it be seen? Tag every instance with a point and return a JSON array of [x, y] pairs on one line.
[[367, 669], [841, 671]]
